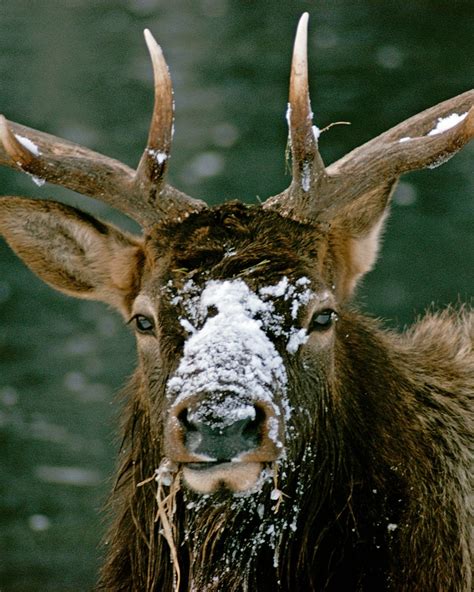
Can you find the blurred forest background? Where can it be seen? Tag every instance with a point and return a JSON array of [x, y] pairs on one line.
[[80, 69]]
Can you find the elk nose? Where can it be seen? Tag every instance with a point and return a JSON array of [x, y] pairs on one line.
[[222, 439], [218, 427]]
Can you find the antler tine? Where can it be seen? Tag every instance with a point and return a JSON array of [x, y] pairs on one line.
[[308, 166], [58, 161], [143, 195], [162, 199], [411, 145], [154, 161], [308, 169], [414, 144]]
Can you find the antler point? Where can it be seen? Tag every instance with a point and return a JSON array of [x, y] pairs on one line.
[[154, 48]]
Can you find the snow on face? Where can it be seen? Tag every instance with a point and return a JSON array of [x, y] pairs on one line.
[[231, 352]]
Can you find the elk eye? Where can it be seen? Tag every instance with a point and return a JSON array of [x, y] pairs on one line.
[[144, 324], [323, 320]]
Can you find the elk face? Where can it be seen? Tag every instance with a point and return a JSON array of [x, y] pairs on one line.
[[233, 304]]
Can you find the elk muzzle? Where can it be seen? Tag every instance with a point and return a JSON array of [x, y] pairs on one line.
[[223, 441]]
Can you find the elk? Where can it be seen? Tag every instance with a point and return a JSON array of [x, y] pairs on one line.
[[274, 438]]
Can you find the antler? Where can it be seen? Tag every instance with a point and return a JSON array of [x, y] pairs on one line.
[[308, 167], [316, 192], [141, 194]]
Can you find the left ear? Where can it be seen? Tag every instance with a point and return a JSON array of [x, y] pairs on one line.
[[72, 251], [355, 236]]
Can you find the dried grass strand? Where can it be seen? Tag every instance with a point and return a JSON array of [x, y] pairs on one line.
[[166, 476]]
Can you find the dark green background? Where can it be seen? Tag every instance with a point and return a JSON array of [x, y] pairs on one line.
[[80, 69]]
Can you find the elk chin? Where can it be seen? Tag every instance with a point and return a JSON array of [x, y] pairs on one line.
[[236, 477]]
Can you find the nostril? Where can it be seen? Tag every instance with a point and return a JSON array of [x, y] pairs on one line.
[[184, 420], [191, 436], [252, 429]]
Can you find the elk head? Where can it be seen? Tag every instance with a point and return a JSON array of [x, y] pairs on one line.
[[235, 307]]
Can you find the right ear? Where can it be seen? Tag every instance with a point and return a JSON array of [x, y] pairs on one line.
[[72, 251], [355, 235]]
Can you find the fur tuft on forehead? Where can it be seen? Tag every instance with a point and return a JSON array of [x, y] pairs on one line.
[[230, 239]]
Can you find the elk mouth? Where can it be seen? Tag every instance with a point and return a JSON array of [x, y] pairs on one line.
[[232, 475], [205, 466]]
